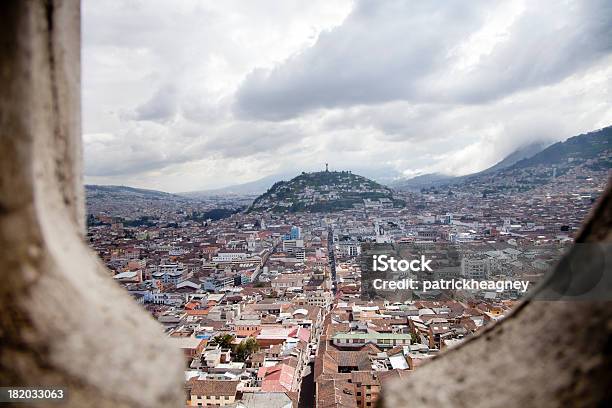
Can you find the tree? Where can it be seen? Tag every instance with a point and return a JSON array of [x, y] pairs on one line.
[[224, 340], [246, 348]]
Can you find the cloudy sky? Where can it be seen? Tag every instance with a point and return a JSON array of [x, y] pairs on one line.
[[190, 95]]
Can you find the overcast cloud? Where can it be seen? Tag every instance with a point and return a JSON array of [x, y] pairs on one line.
[[190, 95]]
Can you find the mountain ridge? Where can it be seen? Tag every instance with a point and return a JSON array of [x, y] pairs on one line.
[[585, 145], [254, 187], [93, 189], [433, 179], [582, 146], [523, 152]]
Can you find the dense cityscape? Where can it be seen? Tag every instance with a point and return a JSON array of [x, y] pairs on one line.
[[266, 302]]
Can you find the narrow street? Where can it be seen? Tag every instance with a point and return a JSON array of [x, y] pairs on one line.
[[307, 392], [332, 258]]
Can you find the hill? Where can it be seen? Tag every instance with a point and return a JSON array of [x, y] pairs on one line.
[[128, 193], [324, 191], [519, 154], [255, 187], [438, 179], [589, 149], [575, 150], [383, 175], [423, 180], [583, 157]]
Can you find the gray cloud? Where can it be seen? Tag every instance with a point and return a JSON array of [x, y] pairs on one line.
[[401, 50], [161, 106], [547, 43], [242, 139]]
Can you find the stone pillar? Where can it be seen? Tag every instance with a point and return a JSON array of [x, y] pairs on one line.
[[63, 321]]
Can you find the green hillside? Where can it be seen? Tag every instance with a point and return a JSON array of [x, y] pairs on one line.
[[324, 191]]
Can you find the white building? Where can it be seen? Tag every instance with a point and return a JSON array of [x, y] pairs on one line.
[[475, 268], [229, 256]]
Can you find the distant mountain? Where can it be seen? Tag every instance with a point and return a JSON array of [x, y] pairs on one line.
[[424, 180], [580, 157], [258, 186], [324, 191], [577, 149], [383, 174], [93, 191], [519, 154], [437, 179], [562, 154]]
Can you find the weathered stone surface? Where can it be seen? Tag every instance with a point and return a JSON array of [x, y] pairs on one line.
[[63, 321], [545, 354]]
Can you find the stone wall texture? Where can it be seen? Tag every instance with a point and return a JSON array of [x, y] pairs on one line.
[[62, 321]]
